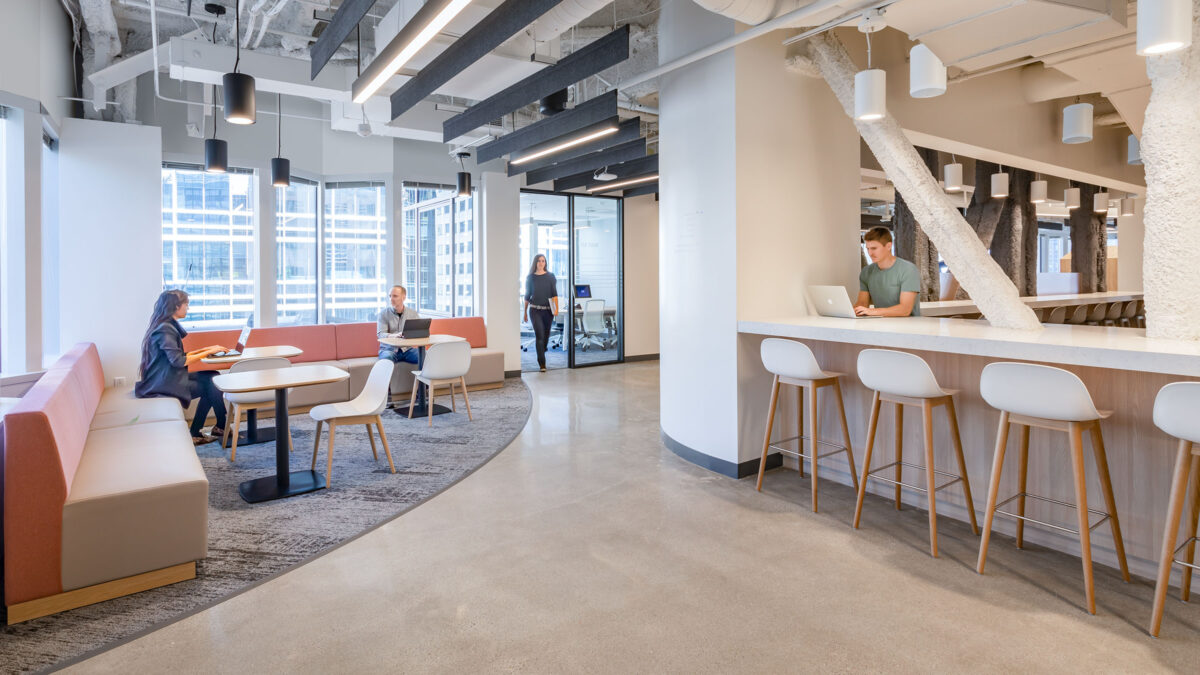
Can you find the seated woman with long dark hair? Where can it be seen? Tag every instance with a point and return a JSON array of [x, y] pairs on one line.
[[164, 368]]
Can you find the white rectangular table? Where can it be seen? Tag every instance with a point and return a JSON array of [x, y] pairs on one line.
[[253, 435]]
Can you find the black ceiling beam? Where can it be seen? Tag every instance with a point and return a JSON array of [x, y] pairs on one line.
[[604, 53], [499, 25], [628, 130], [602, 186], [641, 190], [589, 112], [336, 32], [636, 167], [614, 155]]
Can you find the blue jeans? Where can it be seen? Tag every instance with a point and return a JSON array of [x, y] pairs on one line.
[[396, 355]]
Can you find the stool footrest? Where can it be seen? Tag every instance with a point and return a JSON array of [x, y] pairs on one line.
[[956, 478], [793, 453], [1103, 514], [1181, 547]]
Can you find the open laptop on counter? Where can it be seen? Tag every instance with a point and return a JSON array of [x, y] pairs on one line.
[[240, 347], [834, 301]]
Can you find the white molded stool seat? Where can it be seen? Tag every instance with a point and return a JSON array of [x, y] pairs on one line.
[[445, 363], [1033, 395], [1175, 413], [897, 373], [363, 409], [789, 358]]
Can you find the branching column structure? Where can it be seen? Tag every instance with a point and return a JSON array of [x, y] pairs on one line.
[[1089, 243], [958, 244], [1171, 154], [913, 244]]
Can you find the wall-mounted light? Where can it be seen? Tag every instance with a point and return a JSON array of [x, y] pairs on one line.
[[1100, 202], [632, 181], [1077, 123], [953, 175], [926, 73], [281, 169], [1133, 151], [429, 20], [1037, 191], [464, 176], [1071, 198], [1163, 26], [239, 87], [216, 151], [999, 185], [565, 145]]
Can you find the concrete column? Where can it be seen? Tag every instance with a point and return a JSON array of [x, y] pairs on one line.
[[501, 273]]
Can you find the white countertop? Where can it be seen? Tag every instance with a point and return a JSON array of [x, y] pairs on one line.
[[948, 307], [1096, 346]]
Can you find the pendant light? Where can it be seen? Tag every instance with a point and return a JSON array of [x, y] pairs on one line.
[[1037, 191], [953, 175], [1163, 26], [1077, 123], [1000, 184], [1133, 151], [464, 176], [926, 73], [1128, 206], [870, 91], [1071, 198], [1100, 202], [281, 169], [239, 87], [216, 151]]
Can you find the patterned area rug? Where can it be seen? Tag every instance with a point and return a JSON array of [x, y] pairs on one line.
[[250, 543]]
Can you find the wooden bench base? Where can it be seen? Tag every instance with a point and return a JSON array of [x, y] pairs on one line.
[[90, 595]]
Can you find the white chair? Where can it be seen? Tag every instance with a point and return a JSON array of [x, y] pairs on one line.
[[445, 363], [1031, 395], [253, 400], [1175, 413], [792, 363], [593, 325], [905, 379], [363, 409]]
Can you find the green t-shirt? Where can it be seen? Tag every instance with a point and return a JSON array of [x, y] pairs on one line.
[[885, 286]]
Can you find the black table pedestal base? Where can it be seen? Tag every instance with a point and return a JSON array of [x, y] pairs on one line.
[[268, 488], [419, 410], [256, 436]]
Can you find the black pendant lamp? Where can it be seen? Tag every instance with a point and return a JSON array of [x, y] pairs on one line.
[[239, 87], [464, 176], [216, 151], [281, 169]]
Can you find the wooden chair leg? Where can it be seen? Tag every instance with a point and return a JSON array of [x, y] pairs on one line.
[[383, 439], [956, 439], [371, 437], [1179, 483], [1022, 473], [866, 470], [228, 415], [453, 403], [329, 460], [430, 398], [237, 426], [762, 462], [291, 445], [1110, 502], [1085, 539], [930, 476], [812, 440], [1185, 586], [412, 397], [899, 449], [989, 511], [466, 398], [316, 444], [800, 429], [841, 406]]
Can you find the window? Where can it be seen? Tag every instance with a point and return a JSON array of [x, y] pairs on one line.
[[208, 243], [439, 233], [355, 246], [296, 252]]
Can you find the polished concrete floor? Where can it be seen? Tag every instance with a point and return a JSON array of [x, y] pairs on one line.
[[588, 547]]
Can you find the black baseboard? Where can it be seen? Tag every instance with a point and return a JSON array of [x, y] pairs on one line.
[[721, 466], [512, 373], [641, 357]]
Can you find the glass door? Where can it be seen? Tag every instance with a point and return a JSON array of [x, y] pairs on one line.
[[596, 281], [543, 229]]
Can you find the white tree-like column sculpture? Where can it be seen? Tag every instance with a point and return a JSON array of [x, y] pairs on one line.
[[1171, 155], [958, 244]]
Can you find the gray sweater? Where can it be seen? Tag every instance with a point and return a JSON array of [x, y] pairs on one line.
[[390, 323]]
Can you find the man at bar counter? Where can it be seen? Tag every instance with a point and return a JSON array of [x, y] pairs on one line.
[[889, 283]]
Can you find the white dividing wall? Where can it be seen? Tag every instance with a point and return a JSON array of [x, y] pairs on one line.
[[1131, 233], [641, 276], [501, 202], [35, 48], [110, 269]]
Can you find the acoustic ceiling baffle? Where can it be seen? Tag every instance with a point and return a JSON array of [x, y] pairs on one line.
[[590, 162], [635, 167], [600, 187], [589, 112], [597, 56], [559, 148], [641, 190], [629, 130], [339, 28], [499, 25]]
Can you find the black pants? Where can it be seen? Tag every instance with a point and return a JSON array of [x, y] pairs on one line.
[[542, 320], [210, 399]]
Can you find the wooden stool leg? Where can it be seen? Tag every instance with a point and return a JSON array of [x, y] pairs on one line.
[[430, 398], [316, 445], [1022, 473], [1179, 482], [930, 476], [1185, 586], [837, 391], [762, 462], [237, 426], [1110, 503], [812, 441], [800, 429], [453, 403], [862, 483], [466, 397], [383, 438], [1085, 539], [228, 415], [291, 445], [952, 415], [371, 437], [899, 449], [412, 397], [329, 461], [989, 511]]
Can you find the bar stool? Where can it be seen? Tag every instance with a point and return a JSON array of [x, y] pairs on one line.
[[1057, 315], [1129, 314], [1141, 313], [1079, 316], [905, 379], [1175, 413], [1114, 313], [1032, 395], [792, 363], [1096, 314]]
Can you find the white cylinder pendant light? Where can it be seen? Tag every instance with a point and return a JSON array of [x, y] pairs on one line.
[[926, 73], [870, 94], [953, 175], [1133, 151], [1077, 123], [999, 185], [1163, 26], [1127, 207], [1100, 202], [1037, 191], [1071, 198]]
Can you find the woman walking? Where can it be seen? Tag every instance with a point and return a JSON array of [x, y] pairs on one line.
[[164, 367], [541, 296]]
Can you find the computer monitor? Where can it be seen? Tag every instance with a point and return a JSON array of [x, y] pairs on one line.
[[583, 290]]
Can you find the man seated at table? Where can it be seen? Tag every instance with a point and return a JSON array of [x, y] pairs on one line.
[[889, 283], [391, 324]]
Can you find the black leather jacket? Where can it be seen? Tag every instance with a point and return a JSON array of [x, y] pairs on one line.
[[167, 374]]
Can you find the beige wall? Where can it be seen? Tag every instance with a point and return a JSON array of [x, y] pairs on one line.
[[641, 275]]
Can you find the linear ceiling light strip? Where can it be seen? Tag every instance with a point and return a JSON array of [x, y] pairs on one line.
[[597, 56], [647, 164], [429, 20], [590, 162], [629, 130], [585, 114], [563, 143], [339, 28], [609, 186], [499, 25]]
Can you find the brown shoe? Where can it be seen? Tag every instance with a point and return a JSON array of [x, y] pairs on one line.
[[202, 439]]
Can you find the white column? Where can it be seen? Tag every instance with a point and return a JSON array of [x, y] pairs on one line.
[[501, 274]]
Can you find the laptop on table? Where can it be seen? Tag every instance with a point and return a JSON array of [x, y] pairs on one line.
[[240, 347], [415, 328], [834, 301]]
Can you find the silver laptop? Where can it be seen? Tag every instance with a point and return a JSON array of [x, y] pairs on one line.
[[240, 347], [834, 301]]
